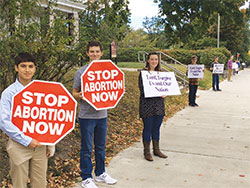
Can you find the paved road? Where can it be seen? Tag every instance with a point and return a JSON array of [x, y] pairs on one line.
[[207, 146]]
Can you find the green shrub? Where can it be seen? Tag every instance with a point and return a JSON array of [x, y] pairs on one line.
[[205, 56]]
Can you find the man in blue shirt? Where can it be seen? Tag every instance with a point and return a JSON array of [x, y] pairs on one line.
[[28, 158]]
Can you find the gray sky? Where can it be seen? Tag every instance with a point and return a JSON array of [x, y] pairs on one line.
[[140, 9]]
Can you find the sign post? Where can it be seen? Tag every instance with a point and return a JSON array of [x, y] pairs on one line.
[[44, 111], [102, 84], [113, 51]]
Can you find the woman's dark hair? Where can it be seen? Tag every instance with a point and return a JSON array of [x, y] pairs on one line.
[[24, 57], [158, 67]]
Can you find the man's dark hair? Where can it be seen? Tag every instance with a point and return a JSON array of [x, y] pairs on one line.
[[24, 57], [194, 57], [94, 43]]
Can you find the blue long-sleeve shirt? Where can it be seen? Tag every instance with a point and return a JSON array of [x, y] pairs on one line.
[[5, 115]]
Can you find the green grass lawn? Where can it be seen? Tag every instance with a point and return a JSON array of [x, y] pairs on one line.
[[135, 65], [206, 81]]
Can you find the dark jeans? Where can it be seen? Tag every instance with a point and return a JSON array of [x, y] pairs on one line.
[[92, 130], [192, 94], [151, 128], [216, 81]]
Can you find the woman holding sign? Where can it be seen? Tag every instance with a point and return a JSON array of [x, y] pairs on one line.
[[152, 111]]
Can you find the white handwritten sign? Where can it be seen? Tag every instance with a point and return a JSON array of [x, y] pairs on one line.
[[235, 66], [195, 71], [218, 68], [157, 84]]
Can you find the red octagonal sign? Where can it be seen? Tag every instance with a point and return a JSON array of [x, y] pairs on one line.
[[44, 111], [102, 84]]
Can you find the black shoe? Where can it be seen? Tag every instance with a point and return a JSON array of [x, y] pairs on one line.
[[218, 89], [195, 104], [214, 90]]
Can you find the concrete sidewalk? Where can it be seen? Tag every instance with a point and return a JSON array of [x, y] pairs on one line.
[[207, 146]]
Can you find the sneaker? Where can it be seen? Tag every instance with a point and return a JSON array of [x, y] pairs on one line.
[[88, 183], [105, 178]]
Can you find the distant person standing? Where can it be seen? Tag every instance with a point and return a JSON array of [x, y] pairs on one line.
[[216, 77], [230, 68], [193, 86], [238, 63], [243, 65], [152, 111]]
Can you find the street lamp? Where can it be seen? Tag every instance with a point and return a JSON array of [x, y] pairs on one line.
[[218, 32]]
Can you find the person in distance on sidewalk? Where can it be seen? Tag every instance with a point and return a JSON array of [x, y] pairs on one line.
[[152, 111], [193, 86], [230, 68], [216, 77]]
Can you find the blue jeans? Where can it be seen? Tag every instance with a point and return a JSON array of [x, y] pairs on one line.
[[151, 128], [216, 81], [192, 94], [92, 130]]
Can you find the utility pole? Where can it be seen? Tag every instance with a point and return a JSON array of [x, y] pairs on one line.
[[218, 32]]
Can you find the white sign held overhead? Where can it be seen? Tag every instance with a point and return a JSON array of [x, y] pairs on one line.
[[195, 71], [157, 84]]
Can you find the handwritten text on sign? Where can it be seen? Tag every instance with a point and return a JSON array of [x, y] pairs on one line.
[[158, 84], [235, 66], [195, 71], [218, 68]]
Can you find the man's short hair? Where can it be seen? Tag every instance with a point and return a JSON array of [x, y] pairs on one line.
[[24, 57], [94, 43], [194, 57]]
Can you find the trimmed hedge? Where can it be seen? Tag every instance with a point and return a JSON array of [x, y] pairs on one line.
[[205, 56]]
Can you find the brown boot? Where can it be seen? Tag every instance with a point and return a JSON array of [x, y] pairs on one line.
[[147, 154], [157, 151]]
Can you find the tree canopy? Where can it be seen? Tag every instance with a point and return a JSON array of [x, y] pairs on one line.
[[26, 26], [193, 23]]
